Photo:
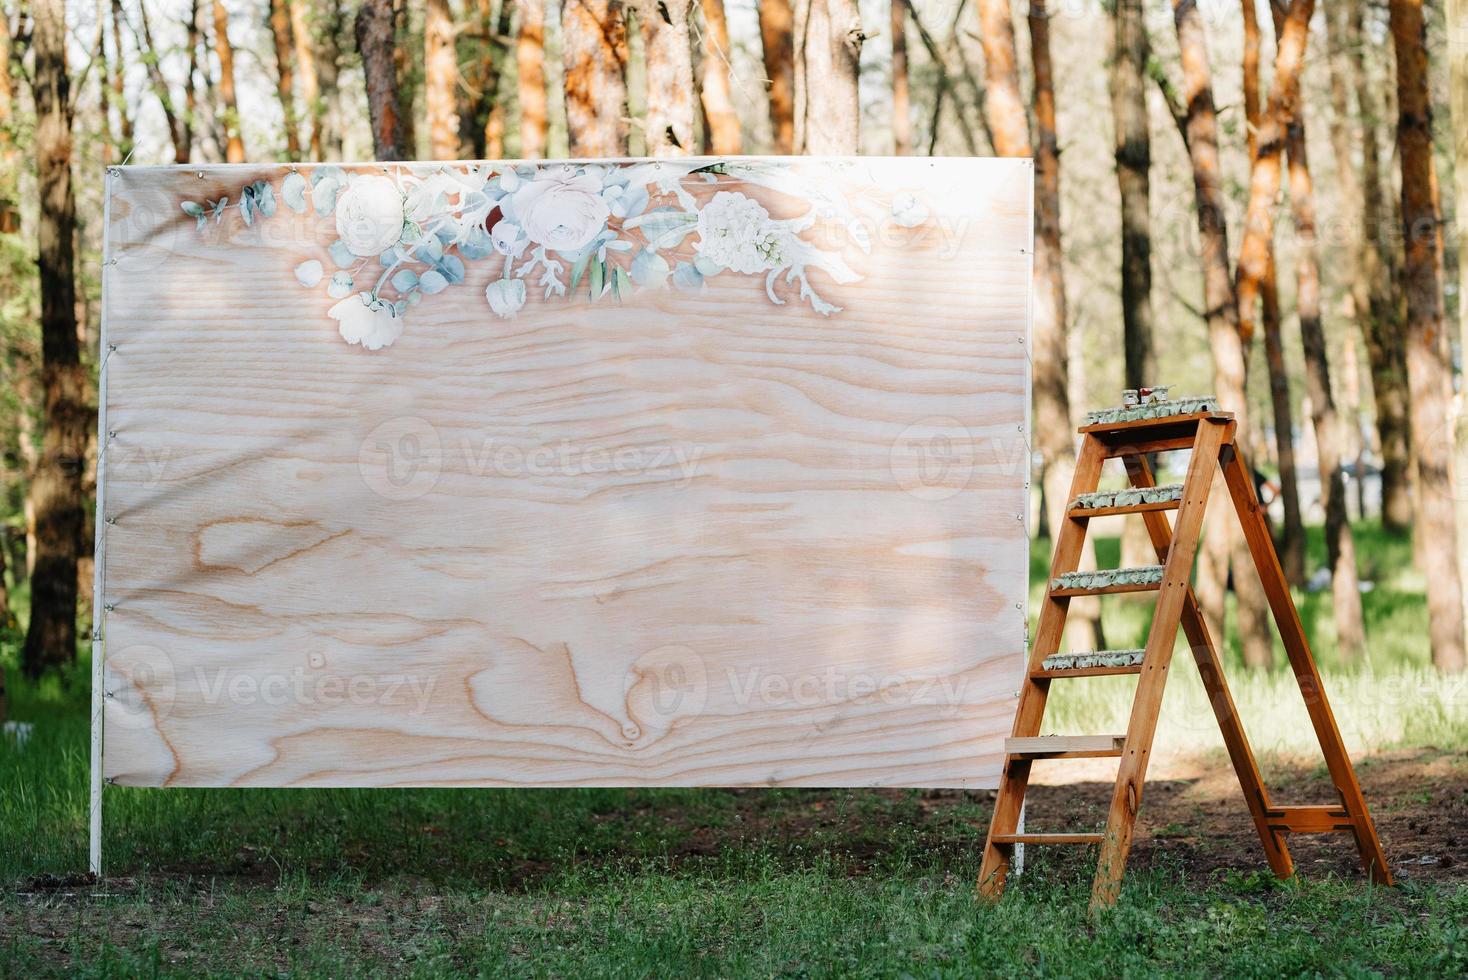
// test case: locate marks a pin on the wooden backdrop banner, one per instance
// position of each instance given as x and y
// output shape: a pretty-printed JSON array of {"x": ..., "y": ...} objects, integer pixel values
[{"x": 697, "y": 472}]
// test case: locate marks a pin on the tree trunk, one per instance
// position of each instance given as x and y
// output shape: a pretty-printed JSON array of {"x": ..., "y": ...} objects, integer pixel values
[
  {"x": 901, "y": 96},
  {"x": 281, "y": 37},
  {"x": 1053, "y": 430},
  {"x": 119, "y": 96},
  {"x": 1004, "y": 107},
  {"x": 1222, "y": 545},
  {"x": 406, "y": 70},
  {"x": 594, "y": 48},
  {"x": 668, "y": 50},
  {"x": 327, "y": 57},
  {"x": 376, "y": 40},
  {"x": 177, "y": 130},
  {"x": 1429, "y": 374},
  {"x": 1264, "y": 181},
  {"x": 828, "y": 40},
  {"x": 9, "y": 152},
  {"x": 1386, "y": 350},
  {"x": 235, "y": 147},
  {"x": 440, "y": 81},
  {"x": 494, "y": 125},
  {"x": 777, "y": 40},
  {"x": 953, "y": 67},
  {"x": 1290, "y": 539},
  {"x": 1457, "y": 18},
  {"x": 302, "y": 32},
  {"x": 1330, "y": 438},
  {"x": 191, "y": 91},
  {"x": 104, "y": 89},
  {"x": 725, "y": 136},
  {"x": 1133, "y": 153},
  {"x": 530, "y": 66},
  {"x": 56, "y": 488}
]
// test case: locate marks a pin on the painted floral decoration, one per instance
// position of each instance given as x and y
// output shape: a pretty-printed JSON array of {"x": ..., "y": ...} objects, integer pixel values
[{"x": 611, "y": 229}]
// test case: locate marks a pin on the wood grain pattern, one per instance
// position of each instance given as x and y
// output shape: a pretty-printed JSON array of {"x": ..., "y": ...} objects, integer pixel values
[{"x": 681, "y": 540}]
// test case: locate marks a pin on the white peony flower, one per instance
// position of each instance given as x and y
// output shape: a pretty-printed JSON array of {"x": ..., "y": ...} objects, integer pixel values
[
  {"x": 560, "y": 209},
  {"x": 908, "y": 211},
  {"x": 506, "y": 296},
  {"x": 367, "y": 321},
  {"x": 508, "y": 239},
  {"x": 369, "y": 215},
  {"x": 736, "y": 232}
]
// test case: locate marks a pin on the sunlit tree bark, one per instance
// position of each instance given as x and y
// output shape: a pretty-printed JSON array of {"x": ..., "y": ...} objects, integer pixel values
[
  {"x": 828, "y": 39},
  {"x": 119, "y": 96},
  {"x": 281, "y": 36},
  {"x": 440, "y": 81},
  {"x": 724, "y": 132},
  {"x": 327, "y": 41},
  {"x": 530, "y": 69},
  {"x": 1290, "y": 539},
  {"x": 148, "y": 53},
  {"x": 668, "y": 51},
  {"x": 594, "y": 50},
  {"x": 901, "y": 96},
  {"x": 777, "y": 39},
  {"x": 234, "y": 150},
  {"x": 1429, "y": 373},
  {"x": 303, "y": 31}
]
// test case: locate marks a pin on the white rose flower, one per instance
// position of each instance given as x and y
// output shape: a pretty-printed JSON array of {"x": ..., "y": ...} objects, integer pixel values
[
  {"x": 506, "y": 296},
  {"x": 366, "y": 321},
  {"x": 369, "y": 215},
  {"x": 735, "y": 232},
  {"x": 561, "y": 209}
]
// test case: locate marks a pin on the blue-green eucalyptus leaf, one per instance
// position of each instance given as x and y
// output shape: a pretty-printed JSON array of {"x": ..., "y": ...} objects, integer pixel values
[{"x": 293, "y": 192}]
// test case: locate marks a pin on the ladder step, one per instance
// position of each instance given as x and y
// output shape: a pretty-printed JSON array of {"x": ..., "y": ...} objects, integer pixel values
[
  {"x": 1133, "y": 500},
  {"x": 1309, "y": 819},
  {"x": 1108, "y": 581},
  {"x": 1139, "y": 415},
  {"x": 1046, "y": 838},
  {"x": 1065, "y": 746},
  {"x": 1091, "y": 664}
]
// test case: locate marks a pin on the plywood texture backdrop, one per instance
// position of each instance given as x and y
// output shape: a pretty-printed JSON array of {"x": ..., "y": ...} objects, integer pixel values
[{"x": 680, "y": 534}]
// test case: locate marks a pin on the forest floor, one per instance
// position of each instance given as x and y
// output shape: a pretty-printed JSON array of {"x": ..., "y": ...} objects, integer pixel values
[{"x": 706, "y": 882}]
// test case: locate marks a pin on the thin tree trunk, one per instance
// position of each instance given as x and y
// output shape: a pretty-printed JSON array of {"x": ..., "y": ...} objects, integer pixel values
[
  {"x": 1004, "y": 107},
  {"x": 376, "y": 40},
  {"x": 530, "y": 66},
  {"x": 1330, "y": 438},
  {"x": 302, "y": 31},
  {"x": 177, "y": 131},
  {"x": 953, "y": 65},
  {"x": 1429, "y": 373},
  {"x": 191, "y": 91},
  {"x": 119, "y": 96},
  {"x": 1264, "y": 181},
  {"x": 494, "y": 125},
  {"x": 725, "y": 136},
  {"x": 1290, "y": 539},
  {"x": 1222, "y": 545},
  {"x": 594, "y": 49},
  {"x": 901, "y": 97},
  {"x": 407, "y": 75},
  {"x": 1457, "y": 19},
  {"x": 475, "y": 64},
  {"x": 828, "y": 39},
  {"x": 1133, "y": 153},
  {"x": 328, "y": 68},
  {"x": 777, "y": 40},
  {"x": 1054, "y": 432},
  {"x": 281, "y": 37},
  {"x": 235, "y": 147},
  {"x": 56, "y": 487},
  {"x": 668, "y": 50},
  {"x": 104, "y": 94},
  {"x": 440, "y": 81}
]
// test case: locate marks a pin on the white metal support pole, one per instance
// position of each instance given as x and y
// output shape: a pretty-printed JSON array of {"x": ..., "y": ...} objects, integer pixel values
[{"x": 94, "y": 817}]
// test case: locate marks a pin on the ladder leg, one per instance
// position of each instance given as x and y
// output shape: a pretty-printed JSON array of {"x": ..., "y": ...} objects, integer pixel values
[
  {"x": 1127, "y": 798},
  {"x": 1069, "y": 538},
  {"x": 1307, "y": 675},
  {"x": 1210, "y": 669}
]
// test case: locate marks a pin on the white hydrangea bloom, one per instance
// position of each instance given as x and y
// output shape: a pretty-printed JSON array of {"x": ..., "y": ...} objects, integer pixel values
[{"x": 736, "y": 232}]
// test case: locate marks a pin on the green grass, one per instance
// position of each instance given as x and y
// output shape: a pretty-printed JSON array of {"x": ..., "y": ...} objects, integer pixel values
[{"x": 696, "y": 882}]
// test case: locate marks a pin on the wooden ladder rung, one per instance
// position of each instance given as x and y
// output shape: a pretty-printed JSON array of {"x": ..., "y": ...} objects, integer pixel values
[
  {"x": 1084, "y": 512},
  {"x": 1068, "y": 672},
  {"x": 1115, "y": 589},
  {"x": 1309, "y": 819},
  {"x": 1129, "y": 500},
  {"x": 1046, "y": 838},
  {"x": 1065, "y": 746}
]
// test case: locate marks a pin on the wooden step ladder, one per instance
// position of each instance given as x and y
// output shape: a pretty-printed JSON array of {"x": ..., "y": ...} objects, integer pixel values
[{"x": 1210, "y": 436}]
